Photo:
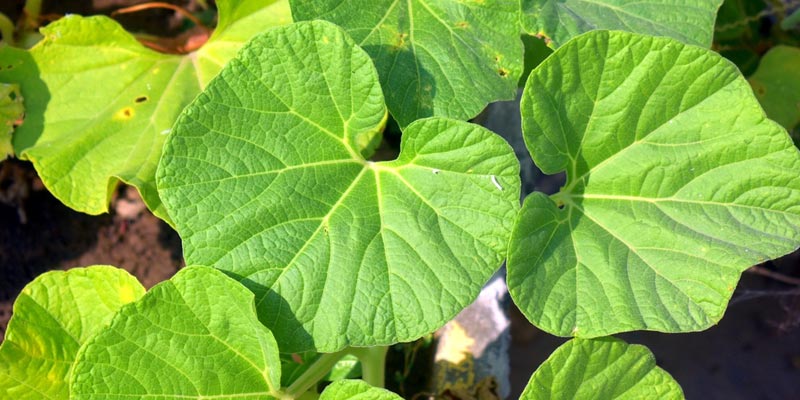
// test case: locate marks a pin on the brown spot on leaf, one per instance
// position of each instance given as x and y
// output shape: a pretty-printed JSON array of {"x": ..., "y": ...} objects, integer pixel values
[
  {"x": 400, "y": 40},
  {"x": 141, "y": 99},
  {"x": 124, "y": 114}
]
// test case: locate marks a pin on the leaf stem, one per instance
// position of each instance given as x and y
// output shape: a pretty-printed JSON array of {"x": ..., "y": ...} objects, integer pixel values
[
  {"x": 7, "y": 29},
  {"x": 314, "y": 373},
  {"x": 32, "y": 11},
  {"x": 373, "y": 363},
  {"x": 757, "y": 269}
]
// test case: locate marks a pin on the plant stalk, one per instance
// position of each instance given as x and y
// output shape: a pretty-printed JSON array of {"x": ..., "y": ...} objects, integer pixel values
[
  {"x": 32, "y": 11},
  {"x": 373, "y": 363},
  {"x": 321, "y": 367},
  {"x": 7, "y": 29},
  {"x": 373, "y": 366}
]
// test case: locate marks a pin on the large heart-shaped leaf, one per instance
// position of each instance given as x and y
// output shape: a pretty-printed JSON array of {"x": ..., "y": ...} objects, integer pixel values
[
  {"x": 194, "y": 336},
  {"x": 356, "y": 390},
  {"x": 100, "y": 103},
  {"x": 445, "y": 58},
  {"x": 265, "y": 179},
  {"x": 690, "y": 21},
  {"x": 676, "y": 183},
  {"x": 603, "y": 368},
  {"x": 53, "y": 317}
]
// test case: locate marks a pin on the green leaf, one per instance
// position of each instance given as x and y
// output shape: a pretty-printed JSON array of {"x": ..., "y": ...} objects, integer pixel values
[
  {"x": 53, "y": 316},
  {"x": 791, "y": 21},
  {"x": 347, "y": 367},
  {"x": 104, "y": 103},
  {"x": 293, "y": 365},
  {"x": 193, "y": 336},
  {"x": 445, "y": 58},
  {"x": 690, "y": 21},
  {"x": 738, "y": 20},
  {"x": 265, "y": 179},
  {"x": 604, "y": 368},
  {"x": 11, "y": 110},
  {"x": 676, "y": 183},
  {"x": 536, "y": 51},
  {"x": 356, "y": 390},
  {"x": 238, "y": 22},
  {"x": 776, "y": 84}
]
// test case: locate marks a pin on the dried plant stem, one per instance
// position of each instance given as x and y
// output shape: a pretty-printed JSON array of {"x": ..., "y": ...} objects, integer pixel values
[
  {"x": 757, "y": 269},
  {"x": 158, "y": 4}
]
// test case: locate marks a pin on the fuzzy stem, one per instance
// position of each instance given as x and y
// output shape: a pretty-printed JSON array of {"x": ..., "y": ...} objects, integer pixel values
[
  {"x": 373, "y": 363},
  {"x": 321, "y": 367},
  {"x": 7, "y": 29},
  {"x": 32, "y": 11}
]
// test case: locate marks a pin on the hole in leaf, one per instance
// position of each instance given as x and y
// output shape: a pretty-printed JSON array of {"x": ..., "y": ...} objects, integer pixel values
[
  {"x": 141, "y": 99},
  {"x": 389, "y": 147}
]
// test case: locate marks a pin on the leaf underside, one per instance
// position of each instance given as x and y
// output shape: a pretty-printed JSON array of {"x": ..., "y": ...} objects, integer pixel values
[
  {"x": 677, "y": 183},
  {"x": 776, "y": 84},
  {"x": 265, "y": 179},
  {"x": 53, "y": 317},
  {"x": 446, "y": 58},
  {"x": 100, "y": 104},
  {"x": 604, "y": 368},
  {"x": 193, "y": 336},
  {"x": 690, "y": 21}
]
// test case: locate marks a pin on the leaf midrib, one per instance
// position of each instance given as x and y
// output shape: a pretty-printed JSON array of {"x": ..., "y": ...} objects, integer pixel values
[{"x": 655, "y": 200}]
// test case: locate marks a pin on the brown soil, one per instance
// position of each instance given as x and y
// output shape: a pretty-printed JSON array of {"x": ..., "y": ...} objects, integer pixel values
[{"x": 56, "y": 237}]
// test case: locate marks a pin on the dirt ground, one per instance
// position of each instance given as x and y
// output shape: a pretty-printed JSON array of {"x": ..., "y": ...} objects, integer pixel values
[{"x": 56, "y": 237}]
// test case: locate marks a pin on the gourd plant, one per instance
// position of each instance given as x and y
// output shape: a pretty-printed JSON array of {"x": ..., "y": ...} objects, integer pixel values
[{"x": 300, "y": 244}]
